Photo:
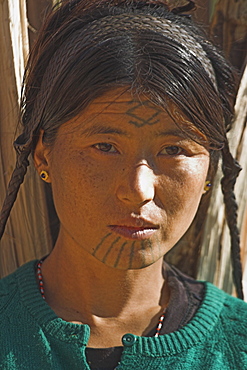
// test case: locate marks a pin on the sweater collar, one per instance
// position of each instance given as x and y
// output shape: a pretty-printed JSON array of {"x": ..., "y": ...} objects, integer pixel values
[{"x": 197, "y": 330}]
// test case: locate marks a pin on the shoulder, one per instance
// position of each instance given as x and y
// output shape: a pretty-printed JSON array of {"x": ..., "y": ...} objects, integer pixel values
[
  {"x": 232, "y": 307},
  {"x": 10, "y": 288},
  {"x": 232, "y": 316},
  {"x": 235, "y": 311}
]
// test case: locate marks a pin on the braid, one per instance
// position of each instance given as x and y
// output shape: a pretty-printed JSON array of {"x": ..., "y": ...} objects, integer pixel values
[
  {"x": 186, "y": 8},
  {"x": 14, "y": 184},
  {"x": 231, "y": 169}
]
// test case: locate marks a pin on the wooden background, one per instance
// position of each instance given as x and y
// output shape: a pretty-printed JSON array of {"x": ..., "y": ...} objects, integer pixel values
[{"x": 204, "y": 251}]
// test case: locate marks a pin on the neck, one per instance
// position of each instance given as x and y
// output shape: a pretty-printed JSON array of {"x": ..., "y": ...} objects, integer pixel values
[{"x": 80, "y": 288}]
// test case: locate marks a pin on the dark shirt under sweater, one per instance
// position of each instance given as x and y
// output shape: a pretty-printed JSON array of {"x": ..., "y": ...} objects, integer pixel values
[{"x": 186, "y": 295}]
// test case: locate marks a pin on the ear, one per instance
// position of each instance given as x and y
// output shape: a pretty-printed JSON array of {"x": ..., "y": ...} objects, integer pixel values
[{"x": 41, "y": 156}]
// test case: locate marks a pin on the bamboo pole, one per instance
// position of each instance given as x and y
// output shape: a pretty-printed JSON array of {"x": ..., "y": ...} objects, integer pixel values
[
  {"x": 27, "y": 232},
  {"x": 228, "y": 23},
  {"x": 215, "y": 254}
]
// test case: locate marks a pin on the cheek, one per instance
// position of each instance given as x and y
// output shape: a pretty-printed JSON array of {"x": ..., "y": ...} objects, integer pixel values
[
  {"x": 183, "y": 188},
  {"x": 181, "y": 194},
  {"x": 79, "y": 187}
]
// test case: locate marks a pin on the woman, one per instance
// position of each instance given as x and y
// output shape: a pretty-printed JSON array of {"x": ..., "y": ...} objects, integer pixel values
[{"x": 125, "y": 111}]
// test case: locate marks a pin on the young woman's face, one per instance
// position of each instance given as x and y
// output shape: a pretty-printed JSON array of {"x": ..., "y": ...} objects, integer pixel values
[{"x": 126, "y": 182}]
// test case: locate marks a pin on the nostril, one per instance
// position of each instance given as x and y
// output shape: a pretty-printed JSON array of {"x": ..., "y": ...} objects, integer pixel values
[{"x": 137, "y": 186}]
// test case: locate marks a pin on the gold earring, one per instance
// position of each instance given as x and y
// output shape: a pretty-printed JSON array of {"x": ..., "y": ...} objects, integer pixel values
[
  {"x": 44, "y": 175},
  {"x": 207, "y": 186}
]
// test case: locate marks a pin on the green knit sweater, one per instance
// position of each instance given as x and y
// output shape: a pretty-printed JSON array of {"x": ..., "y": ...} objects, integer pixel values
[{"x": 33, "y": 337}]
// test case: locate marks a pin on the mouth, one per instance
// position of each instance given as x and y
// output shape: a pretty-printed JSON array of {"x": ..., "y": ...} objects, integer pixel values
[{"x": 134, "y": 233}]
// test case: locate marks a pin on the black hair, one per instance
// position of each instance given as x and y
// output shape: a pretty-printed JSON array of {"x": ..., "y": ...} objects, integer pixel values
[{"x": 87, "y": 48}]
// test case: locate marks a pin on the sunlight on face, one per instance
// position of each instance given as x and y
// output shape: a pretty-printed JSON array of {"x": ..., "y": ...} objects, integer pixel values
[{"x": 126, "y": 181}]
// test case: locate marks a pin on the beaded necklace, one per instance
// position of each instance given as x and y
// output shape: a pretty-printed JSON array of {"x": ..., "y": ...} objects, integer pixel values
[{"x": 42, "y": 292}]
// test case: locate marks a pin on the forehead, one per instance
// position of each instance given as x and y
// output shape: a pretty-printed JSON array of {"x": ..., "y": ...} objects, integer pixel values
[
  {"x": 120, "y": 108},
  {"x": 120, "y": 112},
  {"x": 117, "y": 101}
]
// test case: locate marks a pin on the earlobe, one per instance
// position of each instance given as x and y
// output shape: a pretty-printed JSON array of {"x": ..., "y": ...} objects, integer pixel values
[
  {"x": 207, "y": 186},
  {"x": 44, "y": 175},
  {"x": 41, "y": 158}
]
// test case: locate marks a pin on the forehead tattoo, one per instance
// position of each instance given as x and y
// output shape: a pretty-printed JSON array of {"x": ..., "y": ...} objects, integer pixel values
[{"x": 141, "y": 116}]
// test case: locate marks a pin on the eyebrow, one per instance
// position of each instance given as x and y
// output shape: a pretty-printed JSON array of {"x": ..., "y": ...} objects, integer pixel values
[
  {"x": 178, "y": 133},
  {"x": 192, "y": 136},
  {"x": 96, "y": 129}
]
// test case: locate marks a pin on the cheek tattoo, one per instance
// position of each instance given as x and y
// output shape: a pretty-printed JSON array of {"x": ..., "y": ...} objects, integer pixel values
[
  {"x": 110, "y": 249},
  {"x": 113, "y": 251},
  {"x": 143, "y": 254},
  {"x": 119, "y": 254},
  {"x": 131, "y": 254},
  {"x": 100, "y": 243}
]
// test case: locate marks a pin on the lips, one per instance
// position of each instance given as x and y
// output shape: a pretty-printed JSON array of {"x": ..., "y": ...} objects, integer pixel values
[{"x": 136, "y": 229}]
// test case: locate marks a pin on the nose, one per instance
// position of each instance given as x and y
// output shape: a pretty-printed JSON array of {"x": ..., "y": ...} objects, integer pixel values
[{"x": 138, "y": 185}]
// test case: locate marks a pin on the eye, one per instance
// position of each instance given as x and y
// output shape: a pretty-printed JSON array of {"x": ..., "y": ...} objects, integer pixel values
[
  {"x": 171, "y": 150},
  {"x": 105, "y": 147}
]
